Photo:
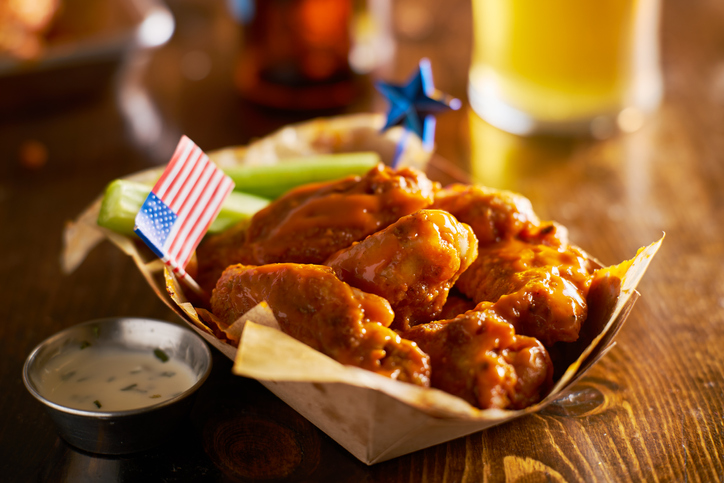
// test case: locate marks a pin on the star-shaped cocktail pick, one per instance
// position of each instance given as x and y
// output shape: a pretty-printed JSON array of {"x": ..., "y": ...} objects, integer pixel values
[{"x": 414, "y": 106}]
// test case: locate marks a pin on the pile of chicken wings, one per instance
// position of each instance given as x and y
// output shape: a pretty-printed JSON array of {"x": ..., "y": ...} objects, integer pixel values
[{"x": 460, "y": 288}]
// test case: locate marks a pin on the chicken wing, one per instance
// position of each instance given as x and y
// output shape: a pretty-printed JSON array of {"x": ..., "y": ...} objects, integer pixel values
[
  {"x": 478, "y": 357},
  {"x": 497, "y": 214},
  {"x": 525, "y": 265},
  {"x": 310, "y": 223},
  {"x": 312, "y": 305},
  {"x": 540, "y": 289},
  {"x": 213, "y": 256},
  {"x": 412, "y": 263}
]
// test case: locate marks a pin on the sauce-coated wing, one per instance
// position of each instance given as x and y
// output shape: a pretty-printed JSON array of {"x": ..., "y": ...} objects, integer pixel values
[
  {"x": 311, "y": 222},
  {"x": 412, "y": 263},
  {"x": 541, "y": 290},
  {"x": 312, "y": 305},
  {"x": 492, "y": 214},
  {"x": 214, "y": 253},
  {"x": 525, "y": 266},
  {"x": 478, "y": 357}
]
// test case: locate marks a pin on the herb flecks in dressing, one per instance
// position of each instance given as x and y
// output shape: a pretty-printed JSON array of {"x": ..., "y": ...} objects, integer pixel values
[
  {"x": 114, "y": 379},
  {"x": 161, "y": 355}
]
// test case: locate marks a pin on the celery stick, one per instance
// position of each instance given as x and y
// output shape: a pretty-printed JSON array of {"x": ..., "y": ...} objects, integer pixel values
[
  {"x": 123, "y": 200},
  {"x": 274, "y": 180},
  {"x": 254, "y": 185},
  {"x": 237, "y": 207}
]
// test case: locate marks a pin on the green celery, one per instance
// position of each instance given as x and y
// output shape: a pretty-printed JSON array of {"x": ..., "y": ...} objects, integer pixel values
[
  {"x": 254, "y": 187},
  {"x": 274, "y": 180},
  {"x": 123, "y": 199}
]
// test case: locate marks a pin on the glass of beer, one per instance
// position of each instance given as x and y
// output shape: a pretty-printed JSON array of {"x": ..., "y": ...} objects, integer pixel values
[{"x": 565, "y": 67}]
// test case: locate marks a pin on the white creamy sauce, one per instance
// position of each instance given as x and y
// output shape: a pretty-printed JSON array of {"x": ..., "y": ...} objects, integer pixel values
[{"x": 113, "y": 379}]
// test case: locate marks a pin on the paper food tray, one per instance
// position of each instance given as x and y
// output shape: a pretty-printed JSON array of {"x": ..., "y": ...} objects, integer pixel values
[{"x": 373, "y": 417}]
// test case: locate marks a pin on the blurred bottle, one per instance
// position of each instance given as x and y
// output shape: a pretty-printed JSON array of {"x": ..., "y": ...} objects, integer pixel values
[
  {"x": 296, "y": 53},
  {"x": 565, "y": 66}
]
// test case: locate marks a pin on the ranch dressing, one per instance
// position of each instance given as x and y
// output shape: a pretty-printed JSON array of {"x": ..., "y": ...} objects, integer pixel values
[{"x": 113, "y": 379}]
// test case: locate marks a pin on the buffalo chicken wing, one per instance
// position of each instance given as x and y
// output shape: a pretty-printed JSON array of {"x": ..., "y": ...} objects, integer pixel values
[
  {"x": 412, "y": 263},
  {"x": 312, "y": 305},
  {"x": 524, "y": 265},
  {"x": 540, "y": 289},
  {"x": 478, "y": 357},
  {"x": 311, "y": 222}
]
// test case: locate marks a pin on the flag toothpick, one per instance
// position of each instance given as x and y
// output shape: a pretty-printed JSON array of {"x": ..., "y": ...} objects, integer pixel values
[{"x": 182, "y": 204}]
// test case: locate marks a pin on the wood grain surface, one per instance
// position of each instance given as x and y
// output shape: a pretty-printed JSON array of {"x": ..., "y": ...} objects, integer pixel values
[{"x": 651, "y": 410}]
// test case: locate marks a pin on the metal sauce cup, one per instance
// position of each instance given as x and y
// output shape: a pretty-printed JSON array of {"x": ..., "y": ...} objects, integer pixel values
[{"x": 129, "y": 431}]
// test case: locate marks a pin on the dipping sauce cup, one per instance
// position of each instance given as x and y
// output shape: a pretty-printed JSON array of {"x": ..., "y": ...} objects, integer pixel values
[{"x": 118, "y": 385}]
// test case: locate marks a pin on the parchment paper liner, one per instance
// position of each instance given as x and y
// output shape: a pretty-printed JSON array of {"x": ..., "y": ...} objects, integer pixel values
[{"x": 373, "y": 417}]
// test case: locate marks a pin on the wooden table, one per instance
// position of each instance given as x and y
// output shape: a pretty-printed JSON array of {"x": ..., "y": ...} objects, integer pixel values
[{"x": 650, "y": 410}]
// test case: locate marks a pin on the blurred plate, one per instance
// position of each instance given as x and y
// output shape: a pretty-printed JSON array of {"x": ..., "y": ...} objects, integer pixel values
[{"x": 83, "y": 49}]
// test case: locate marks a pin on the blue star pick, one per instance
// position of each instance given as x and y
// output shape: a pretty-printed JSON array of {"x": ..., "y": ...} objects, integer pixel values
[{"x": 415, "y": 104}]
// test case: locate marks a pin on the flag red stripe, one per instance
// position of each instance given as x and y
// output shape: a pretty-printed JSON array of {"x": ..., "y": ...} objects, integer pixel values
[
  {"x": 179, "y": 156},
  {"x": 190, "y": 203},
  {"x": 174, "y": 194},
  {"x": 210, "y": 214},
  {"x": 193, "y": 212},
  {"x": 200, "y": 230},
  {"x": 192, "y": 186}
]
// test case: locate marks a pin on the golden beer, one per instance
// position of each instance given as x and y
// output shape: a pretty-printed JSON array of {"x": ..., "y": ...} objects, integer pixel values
[{"x": 563, "y": 65}]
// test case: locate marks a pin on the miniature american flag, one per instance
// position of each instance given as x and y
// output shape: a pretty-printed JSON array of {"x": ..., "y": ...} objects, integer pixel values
[{"x": 182, "y": 205}]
